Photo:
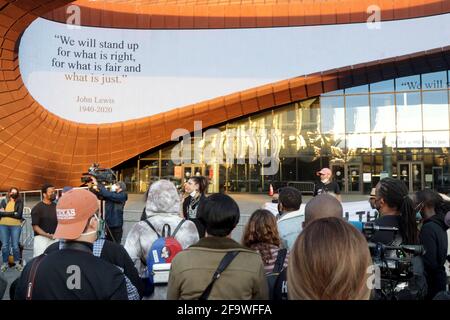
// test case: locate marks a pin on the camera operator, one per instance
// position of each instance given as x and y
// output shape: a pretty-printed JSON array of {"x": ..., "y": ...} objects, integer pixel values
[
  {"x": 397, "y": 210},
  {"x": 114, "y": 203}
]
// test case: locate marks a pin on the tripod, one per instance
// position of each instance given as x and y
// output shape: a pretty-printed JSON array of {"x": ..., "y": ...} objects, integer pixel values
[{"x": 105, "y": 230}]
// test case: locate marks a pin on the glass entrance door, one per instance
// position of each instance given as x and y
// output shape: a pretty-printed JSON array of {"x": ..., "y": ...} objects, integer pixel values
[
  {"x": 338, "y": 171},
  {"x": 354, "y": 178},
  {"x": 192, "y": 170},
  {"x": 411, "y": 173},
  {"x": 348, "y": 176}
]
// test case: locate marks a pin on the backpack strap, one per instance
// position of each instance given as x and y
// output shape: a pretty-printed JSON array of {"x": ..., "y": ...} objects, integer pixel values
[
  {"x": 178, "y": 227},
  {"x": 152, "y": 227},
  {"x": 32, "y": 276},
  {"x": 166, "y": 231},
  {"x": 279, "y": 263},
  {"x": 224, "y": 263}
]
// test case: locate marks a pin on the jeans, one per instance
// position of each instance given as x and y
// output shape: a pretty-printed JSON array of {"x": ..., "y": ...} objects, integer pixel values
[
  {"x": 115, "y": 234},
  {"x": 10, "y": 237}
]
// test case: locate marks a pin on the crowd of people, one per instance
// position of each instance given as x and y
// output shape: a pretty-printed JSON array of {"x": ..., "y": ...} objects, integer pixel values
[{"x": 182, "y": 248}]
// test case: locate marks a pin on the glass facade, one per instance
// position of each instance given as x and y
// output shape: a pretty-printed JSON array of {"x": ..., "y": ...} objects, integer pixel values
[{"x": 397, "y": 128}]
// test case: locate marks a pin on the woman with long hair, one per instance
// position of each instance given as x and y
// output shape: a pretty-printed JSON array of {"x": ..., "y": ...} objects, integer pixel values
[
  {"x": 261, "y": 235},
  {"x": 330, "y": 260},
  {"x": 11, "y": 211},
  {"x": 196, "y": 188}
]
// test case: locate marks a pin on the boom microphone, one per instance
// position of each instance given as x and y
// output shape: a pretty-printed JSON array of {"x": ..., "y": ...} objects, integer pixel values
[
  {"x": 371, "y": 227},
  {"x": 417, "y": 250}
]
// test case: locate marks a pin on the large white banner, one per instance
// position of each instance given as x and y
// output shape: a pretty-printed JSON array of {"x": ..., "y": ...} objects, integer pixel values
[{"x": 101, "y": 75}]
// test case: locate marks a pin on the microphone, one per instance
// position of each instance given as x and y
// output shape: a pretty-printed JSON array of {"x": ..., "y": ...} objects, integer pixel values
[
  {"x": 416, "y": 250},
  {"x": 370, "y": 227}
]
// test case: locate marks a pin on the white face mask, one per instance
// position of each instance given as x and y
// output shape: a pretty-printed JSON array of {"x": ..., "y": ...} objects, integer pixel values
[
  {"x": 95, "y": 231},
  {"x": 193, "y": 193},
  {"x": 114, "y": 188}
]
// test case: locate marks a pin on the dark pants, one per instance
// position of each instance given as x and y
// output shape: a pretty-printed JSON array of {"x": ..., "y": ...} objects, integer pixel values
[{"x": 114, "y": 234}]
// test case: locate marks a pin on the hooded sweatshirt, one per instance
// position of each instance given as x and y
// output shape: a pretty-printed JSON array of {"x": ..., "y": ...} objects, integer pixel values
[
  {"x": 433, "y": 236},
  {"x": 163, "y": 207}
]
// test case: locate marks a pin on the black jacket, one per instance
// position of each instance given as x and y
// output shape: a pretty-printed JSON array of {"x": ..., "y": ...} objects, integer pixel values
[
  {"x": 433, "y": 236},
  {"x": 18, "y": 209},
  {"x": 198, "y": 220},
  {"x": 114, "y": 204},
  {"x": 72, "y": 273},
  {"x": 117, "y": 255}
]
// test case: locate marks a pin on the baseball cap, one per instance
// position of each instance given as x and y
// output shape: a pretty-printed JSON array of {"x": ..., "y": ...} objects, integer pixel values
[
  {"x": 325, "y": 171},
  {"x": 373, "y": 193},
  {"x": 73, "y": 212},
  {"x": 66, "y": 189}
]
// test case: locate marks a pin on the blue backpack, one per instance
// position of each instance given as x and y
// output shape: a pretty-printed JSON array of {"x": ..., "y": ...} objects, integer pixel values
[{"x": 161, "y": 253}]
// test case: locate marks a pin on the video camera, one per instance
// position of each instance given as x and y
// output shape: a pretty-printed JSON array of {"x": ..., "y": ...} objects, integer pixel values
[
  {"x": 103, "y": 176},
  {"x": 400, "y": 269}
]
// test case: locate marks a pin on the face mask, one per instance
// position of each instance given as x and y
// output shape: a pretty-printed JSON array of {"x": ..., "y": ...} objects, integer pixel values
[
  {"x": 193, "y": 193},
  {"x": 418, "y": 216},
  {"x": 324, "y": 180},
  {"x": 100, "y": 228},
  {"x": 52, "y": 197},
  {"x": 113, "y": 188},
  {"x": 14, "y": 196}
]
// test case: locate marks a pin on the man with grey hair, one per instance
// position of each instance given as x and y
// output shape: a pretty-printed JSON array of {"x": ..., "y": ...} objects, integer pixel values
[{"x": 322, "y": 206}]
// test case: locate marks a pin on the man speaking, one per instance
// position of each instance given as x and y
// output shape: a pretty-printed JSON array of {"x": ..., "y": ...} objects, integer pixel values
[{"x": 326, "y": 184}]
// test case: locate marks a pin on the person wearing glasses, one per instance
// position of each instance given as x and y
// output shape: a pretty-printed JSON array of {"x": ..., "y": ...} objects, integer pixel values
[{"x": 326, "y": 184}]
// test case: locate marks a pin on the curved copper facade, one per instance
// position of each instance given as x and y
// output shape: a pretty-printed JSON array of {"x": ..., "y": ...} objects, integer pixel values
[{"x": 37, "y": 146}]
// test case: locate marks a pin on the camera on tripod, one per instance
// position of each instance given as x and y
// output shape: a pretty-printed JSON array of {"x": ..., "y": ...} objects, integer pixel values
[{"x": 104, "y": 176}]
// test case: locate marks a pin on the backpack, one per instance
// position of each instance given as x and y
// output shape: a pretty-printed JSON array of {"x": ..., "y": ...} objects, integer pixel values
[
  {"x": 277, "y": 268},
  {"x": 161, "y": 253}
]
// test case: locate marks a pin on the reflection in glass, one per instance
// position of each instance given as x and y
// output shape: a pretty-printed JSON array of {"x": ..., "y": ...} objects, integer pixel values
[
  {"x": 357, "y": 114},
  {"x": 358, "y": 89},
  {"x": 332, "y": 114},
  {"x": 382, "y": 112},
  {"x": 389, "y": 139},
  {"x": 436, "y": 139},
  {"x": 382, "y": 86},
  {"x": 334, "y": 93},
  {"x": 409, "y": 111},
  {"x": 357, "y": 141},
  {"x": 435, "y": 110},
  {"x": 409, "y": 140}
]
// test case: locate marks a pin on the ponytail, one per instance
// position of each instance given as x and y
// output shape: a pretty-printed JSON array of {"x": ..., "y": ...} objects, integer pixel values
[{"x": 408, "y": 225}]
